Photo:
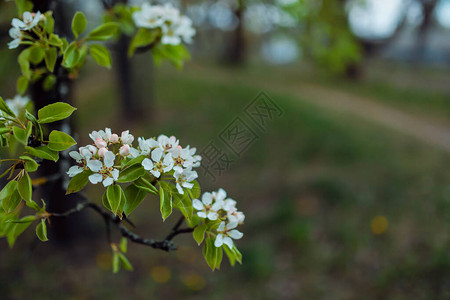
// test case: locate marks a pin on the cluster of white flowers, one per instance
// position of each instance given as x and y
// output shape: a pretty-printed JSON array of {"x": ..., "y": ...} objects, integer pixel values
[
  {"x": 174, "y": 27},
  {"x": 99, "y": 158},
  {"x": 29, "y": 20},
  {"x": 164, "y": 154},
  {"x": 216, "y": 206}
]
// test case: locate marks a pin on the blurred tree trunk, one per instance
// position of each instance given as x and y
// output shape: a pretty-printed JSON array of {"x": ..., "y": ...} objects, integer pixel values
[
  {"x": 130, "y": 99},
  {"x": 428, "y": 7},
  {"x": 236, "y": 47},
  {"x": 53, "y": 192}
]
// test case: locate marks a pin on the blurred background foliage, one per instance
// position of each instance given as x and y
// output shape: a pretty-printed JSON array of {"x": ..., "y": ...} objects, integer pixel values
[{"x": 346, "y": 195}]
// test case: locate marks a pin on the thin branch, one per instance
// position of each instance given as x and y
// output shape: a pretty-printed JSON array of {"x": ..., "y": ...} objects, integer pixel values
[{"x": 166, "y": 244}]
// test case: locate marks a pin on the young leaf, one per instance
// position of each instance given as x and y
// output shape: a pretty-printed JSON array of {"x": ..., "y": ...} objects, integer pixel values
[
  {"x": 24, "y": 187},
  {"x": 143, "y": 37},
  {"x": 50, "y": 56},
  {"x": 199, "y": 233},
  {"x": 41, "y": 231},
  {"x": 116, "y": 262},
  {"x": 23, "y": 6},
  {"x": 71, "y": 56},
  {"x": 165, "y": 198},
  {"x": 43, "y": 152},
  {"x": 5, "y": 108},
  {"x": 195, "y": 191},
  {"x": 131, "y": 173},
  {"x": 79, "y": 23},
  {"x": 101, "y": 55},
  {"x": 22, "y": 85},
  {"x": 36, "y": 54},
  {"x": 60, "y": 141},
  {"x": 212, "y": 254},
  {"x": 133, "y": 161},
  {"x": 49, "y": 22},
  {"x": 184, "y": 204},
  {"x": 123, "y": 245},
  {"x": 78, "y": 182},
  {"x": 10, "y": 196},
  {"x": 30, "y": 164},
  {"x": 114, "y": 195},
  {"x": 37, "y": 126},
  {"x": 55, "y": 112},
  {"x": 103, "y": 32},
  {"x": 125, "y": 262},
  {"x": 49, "y": 82},
  {"x": 20, "y": 135},
  {"x": 134, "y": 196},
  {"x": 15, "y": 230},
  {"x": 146, "y": 186},
  {"x": 24, "y": 63}
]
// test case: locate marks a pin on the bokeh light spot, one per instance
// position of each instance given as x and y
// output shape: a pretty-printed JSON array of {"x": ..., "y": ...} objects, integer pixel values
[{"x": 379, "y": 225}]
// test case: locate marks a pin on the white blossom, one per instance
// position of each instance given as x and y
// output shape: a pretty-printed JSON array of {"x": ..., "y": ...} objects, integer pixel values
[
  {"x": 104, "y": 171},
  {"x": 167, "y": 143},
  {"x": 16, "y": 35},
  {"x": 29, "y": 21},
  {"x": 160, "y": 162},
  {"x": 18, "y": 104},
  {"x": 226, "y": 233},
  {"x": 149, "y": 16},
  {"x": 184, "y": 179},
  {"x": 82, "y": 157},
  {"x": 207, "y": 208},
  {"x": 126, "y": 137}
]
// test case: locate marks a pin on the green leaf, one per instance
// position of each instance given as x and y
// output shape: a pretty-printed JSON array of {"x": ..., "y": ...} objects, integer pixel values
[
  {"x": 147, "y": 186},
  {"x": 4, "y": 130},
  {"x": 233, "y": 254},
  {"x": 143, "y": 37},
  {"x": 199, "y": 233},
  {"x": 60, "y": 141},
  {"x": 22, "y": 85},
  {"x": 101, "y": 55},
  {"x": 24, "y": 187},
  {"x": 125, "y": 262},
  {"x": 123, "y": 245},
  {"x": 24, "y": 63},
  {"x": 78, "y": 182},
  {"x": 71, "y": 56},
  {"x": 37, "y": 126},
  {"x": 50, "y": 56},
  {"x": 195, "y": 191},
  {"x": 116, "y": 262},
  {"x": 20, "y": 135},
  {"x": 49, "y": 22},
  {"x": 6, "y": 109},
  {"x": 26, "y": 219},
  {"x": 212, "y": 254},
  {"x": 114, "y": 195},
  {"x": 41, "y": 231},
  {"x": 36, "y": 54},
  {"x": 131, "y": 173},
  {"x": 104, "y": 32},
  {"x": 43, "y": 152},
  {"x": 15, "y": 231},
  {"x": 54, "y": 40},
  {"x": 30, "y": 164},
  {"x": 10, "y": 196},
  {"x": 184, "y": 204},
  {"x": 165, "y": 197},
  {"x": 134, "y": 196},
  {"x": 55, "y": 112},
  {"x": 49, "y": 82},
  {"x": 23, "y": 6},
  {"x": 33, "y": 205},
  {"x": 133, "y": 161},
  {"x": 79, "y": 23}
]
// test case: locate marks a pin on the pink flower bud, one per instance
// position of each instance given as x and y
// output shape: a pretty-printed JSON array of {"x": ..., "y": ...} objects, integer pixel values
[
  {"x": 114, "y": 138},
  {"x": 100, "y": 143},
  {"x": 124, "y": 150},
  {"x": 179, "y": 147},
  {"x": 102, "y": 151}
]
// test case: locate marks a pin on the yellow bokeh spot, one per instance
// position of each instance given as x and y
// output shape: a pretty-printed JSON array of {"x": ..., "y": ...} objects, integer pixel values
[
  {"x": 379, "y": 224},
  {"x": 160, "y": 274},
  {"x": 193, "y": 281},
  {"x": 104, "y": 260}
]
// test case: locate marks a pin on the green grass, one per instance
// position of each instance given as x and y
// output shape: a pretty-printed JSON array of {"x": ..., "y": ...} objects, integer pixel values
[{"x": 310, "y": 186}]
